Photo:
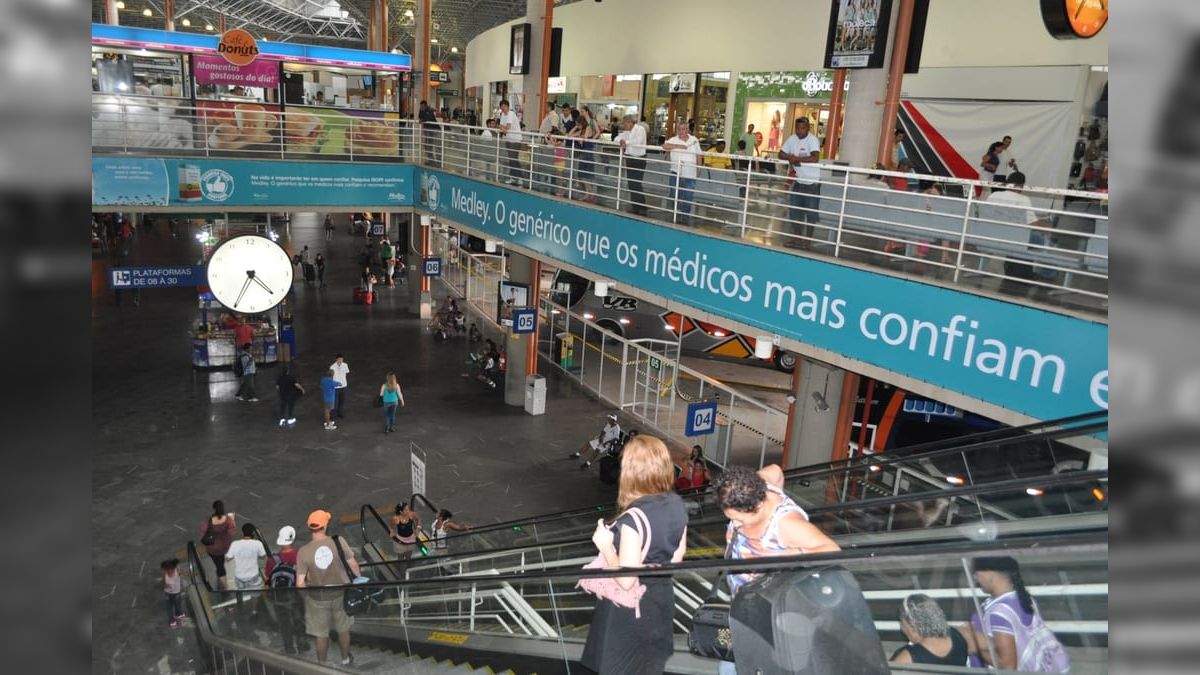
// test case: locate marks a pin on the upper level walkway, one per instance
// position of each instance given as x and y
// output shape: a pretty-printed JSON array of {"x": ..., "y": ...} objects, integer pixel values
[{"x": 989, "y": 303}]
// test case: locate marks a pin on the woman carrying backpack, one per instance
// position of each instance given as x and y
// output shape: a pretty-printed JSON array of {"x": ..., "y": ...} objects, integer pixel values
[
  {"x": 1011, "y": 634},
  {"x": 216, "y": 534}
]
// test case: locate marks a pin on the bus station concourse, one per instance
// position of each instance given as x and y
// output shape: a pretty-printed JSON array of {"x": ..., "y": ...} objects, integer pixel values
[{"x": 836, "y": 263}]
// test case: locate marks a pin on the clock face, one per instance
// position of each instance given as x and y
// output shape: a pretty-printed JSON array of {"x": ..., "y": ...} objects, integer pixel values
[
  {"x": 1073, "y": 19},
  {"x": 249, "y": 274}
]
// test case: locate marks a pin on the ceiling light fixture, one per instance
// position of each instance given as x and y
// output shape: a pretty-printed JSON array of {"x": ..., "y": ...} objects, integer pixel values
[
  {"x": 208, "y": 26},
  {"x": 187, "y": 23},
  {"x": 454, "y": 50},
  {"x": 433, "y": 40},
  {"x": 147, "y": 12},
  {"x": 120, "y": 5}
]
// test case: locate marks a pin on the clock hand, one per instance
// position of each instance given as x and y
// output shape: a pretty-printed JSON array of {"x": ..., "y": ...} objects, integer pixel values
[
  {"x": 264, "y": 286},
  {"x": 243, "y": 292}
]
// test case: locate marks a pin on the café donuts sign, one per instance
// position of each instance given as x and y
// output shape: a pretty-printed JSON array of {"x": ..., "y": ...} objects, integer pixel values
[{"x": 238, "y": 47}]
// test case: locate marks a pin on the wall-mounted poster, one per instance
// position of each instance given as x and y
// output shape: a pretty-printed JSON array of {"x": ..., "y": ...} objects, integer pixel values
[
  {"x": 858, "y": 32},
  {"x": 511, "y": 296},
  {"x": 518, "y": 55}
]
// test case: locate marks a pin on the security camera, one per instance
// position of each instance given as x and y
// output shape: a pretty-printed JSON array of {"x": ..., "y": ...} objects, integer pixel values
[{"x": 819, "y": 403}]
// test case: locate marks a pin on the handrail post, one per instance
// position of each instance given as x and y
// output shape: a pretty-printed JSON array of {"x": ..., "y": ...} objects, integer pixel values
[
  {"x": 620, "y": 172},
  {"x": 496, "y": 173},
  {"x": 837, "y": 246},
  {"x": 125, "y": 130},
  {"x": 745, "y": 219},
  {"x": 571, "y": 173},
  {"x": 442, "y": 147},
  {"x": 350, "y": 140},
  {"x": 470, "y": 134},
  {"x": 282, "y": 134},
  {"x": 675, "y": 179},
  {"x": 624, "y": 367},
  {"x": 962, "y": 236}
]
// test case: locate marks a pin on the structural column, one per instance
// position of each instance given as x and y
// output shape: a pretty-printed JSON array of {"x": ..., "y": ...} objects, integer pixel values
[
  {"x": 813, "y": 415},
  {"x": 863, "y": 124},
  {"x": 420, "y": 299},
  {"x": 540, "y": 14},
  {"x": 111, "y": 14},
  {"x": 521, "y": 349}
]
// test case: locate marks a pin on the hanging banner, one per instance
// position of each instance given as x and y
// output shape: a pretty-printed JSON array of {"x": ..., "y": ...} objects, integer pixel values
[{"x": 216, "y": 70}]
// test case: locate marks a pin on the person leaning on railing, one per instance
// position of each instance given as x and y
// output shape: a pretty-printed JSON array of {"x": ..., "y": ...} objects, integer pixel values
[{"x": 633, "y": 154}]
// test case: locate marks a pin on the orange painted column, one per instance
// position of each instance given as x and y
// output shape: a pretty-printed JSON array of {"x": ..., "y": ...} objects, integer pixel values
[
  {"x": 793, "y": 410},
  {"x": 535, "y": 281},
  {"x": 837, "y": 105},
  {"x": 891, "y": 102},
  {"x": 111, "y": 13}
]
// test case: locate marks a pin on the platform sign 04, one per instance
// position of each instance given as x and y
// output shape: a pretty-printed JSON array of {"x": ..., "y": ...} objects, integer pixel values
[
  {"x": 524, "y": 321},
  {"x": 433, "y": 267},
  {"x": 701, "y": 418}
]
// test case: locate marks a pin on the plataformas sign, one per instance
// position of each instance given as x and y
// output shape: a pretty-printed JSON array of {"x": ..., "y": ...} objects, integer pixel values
[{"x": 238, "y": 47}]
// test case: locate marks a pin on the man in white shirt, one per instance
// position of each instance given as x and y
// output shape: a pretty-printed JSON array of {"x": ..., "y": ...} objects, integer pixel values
[
  {"x": 1011, "y": 196},
  {"x": 685, "y": 154},
  {"x": 246, "y": 554},
  {"x": 802, "y": 151},
  {"x": 510, "y": 127},
  {"x": 1008, "y": 163},
  {"x": 604, "y": 442},
  {"x": 633, "y": 153},
  {"x": 542, "y": 155},
  {"x": 340, "y": 370}
]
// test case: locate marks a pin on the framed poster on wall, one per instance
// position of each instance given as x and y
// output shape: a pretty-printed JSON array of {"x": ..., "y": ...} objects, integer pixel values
[
  {"x": 511, "y": 296},
  {"x": 858, "y": 32},
  {"x": 518, "y": 53}
]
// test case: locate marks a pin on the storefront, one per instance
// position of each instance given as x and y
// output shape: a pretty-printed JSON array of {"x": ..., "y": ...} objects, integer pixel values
[
  {"x": 611, "y": 97},
  {"x": 772, "y": 101},
  {"x": 173, "y": 90},
  {"x": 697, "y": 97}
]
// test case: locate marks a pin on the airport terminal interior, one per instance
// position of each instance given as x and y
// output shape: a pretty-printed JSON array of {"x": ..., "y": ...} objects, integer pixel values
[{"x": 561, "y": 336}]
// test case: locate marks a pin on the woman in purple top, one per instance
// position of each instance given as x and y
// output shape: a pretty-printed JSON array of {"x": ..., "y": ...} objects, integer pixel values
[{"x": 1019, "y": 638}]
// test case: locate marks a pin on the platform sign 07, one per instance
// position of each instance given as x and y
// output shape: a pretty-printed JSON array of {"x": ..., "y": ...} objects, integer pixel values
[{"x": 701, "y": 418}]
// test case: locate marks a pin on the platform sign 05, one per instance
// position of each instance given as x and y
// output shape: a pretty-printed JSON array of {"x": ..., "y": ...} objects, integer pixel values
[
  {"x": 433, "y": 267},
  {"x": 701, "y": 418},
  {"x": 524, "y": 321}
]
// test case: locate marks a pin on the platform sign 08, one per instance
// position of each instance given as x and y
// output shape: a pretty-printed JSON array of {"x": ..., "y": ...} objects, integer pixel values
[
  {"x": 433, "y": 267},
  {"x": 701, "y": 418}
]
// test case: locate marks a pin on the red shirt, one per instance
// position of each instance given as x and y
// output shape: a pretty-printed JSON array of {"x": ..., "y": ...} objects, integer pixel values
[
  {"x": 242, "y": 333},
  {"x": 286, "y": 557}
]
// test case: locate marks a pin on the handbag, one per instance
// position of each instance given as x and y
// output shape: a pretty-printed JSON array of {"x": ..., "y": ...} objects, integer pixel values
[
  {"x": 379, "y": 401},
  {"x": 209, "y": 538},
  {"x": 710, "y": 635},
  {"x": 356, "y": 599},
  {"x": 607, "y": 588}
]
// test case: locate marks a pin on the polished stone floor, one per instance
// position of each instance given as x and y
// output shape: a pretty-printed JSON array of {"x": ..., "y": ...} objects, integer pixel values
[{"x": 169, "y": 439}]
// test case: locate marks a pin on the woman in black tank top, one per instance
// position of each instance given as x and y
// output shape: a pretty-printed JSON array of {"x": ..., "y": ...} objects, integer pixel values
[
  {"x": 404, "y": 524},
  {"x": 930, "y": 638}
]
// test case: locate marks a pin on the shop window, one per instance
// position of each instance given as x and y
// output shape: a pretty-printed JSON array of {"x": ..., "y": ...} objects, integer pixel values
[{"x": 147, "y": 74}]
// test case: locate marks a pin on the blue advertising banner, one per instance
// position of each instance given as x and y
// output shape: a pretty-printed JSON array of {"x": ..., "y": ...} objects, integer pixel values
[
  {"x": 1036, "y": 363},
  {"x": 138, "y": 181},
  {"x": 156, "y": 277}
]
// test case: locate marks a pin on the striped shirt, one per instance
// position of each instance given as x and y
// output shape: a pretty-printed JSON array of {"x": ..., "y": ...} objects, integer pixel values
[{"x": 740, "y": 546}]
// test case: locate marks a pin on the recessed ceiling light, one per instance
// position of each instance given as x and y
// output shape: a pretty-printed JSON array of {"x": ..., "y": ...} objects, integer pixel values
[
  {"x": 187, "y": 22},
  {"x": 433, "y": 40},
  {"x": 208, "y": 26},
  {"x": 120, "y": 5},
  {"x": 147, "y": 12},
  {"x": 408, "y": 13},
  {"x": 454, "y": 50}
]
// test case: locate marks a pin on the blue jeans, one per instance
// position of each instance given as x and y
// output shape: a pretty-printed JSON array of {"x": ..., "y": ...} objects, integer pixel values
[
  {"x": 802, "y": 208},
  {"x": 684, "y": 191},
  {"x": 389, "y": 414}
]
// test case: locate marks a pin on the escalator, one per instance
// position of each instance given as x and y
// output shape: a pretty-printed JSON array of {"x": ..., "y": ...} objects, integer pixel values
[
  {"x": 536, "y": 620},
  {"x": 919, "y": 487}
]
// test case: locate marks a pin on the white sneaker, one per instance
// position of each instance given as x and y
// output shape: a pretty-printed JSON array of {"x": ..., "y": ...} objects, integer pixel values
[
  {"x": 282, "y": 421},
  {"x": 331, "y": 426},
  {"x": 291, "y": 421},
  {"x": 254, "y": 399}
]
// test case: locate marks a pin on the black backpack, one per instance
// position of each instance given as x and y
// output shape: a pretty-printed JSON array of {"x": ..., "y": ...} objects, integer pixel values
[{"x": 283, "y": 575}]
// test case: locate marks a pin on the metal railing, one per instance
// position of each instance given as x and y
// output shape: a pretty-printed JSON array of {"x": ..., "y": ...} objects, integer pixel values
[
  {"x": 1042, "y": 246},
  {"x": 642, "y": 378}
]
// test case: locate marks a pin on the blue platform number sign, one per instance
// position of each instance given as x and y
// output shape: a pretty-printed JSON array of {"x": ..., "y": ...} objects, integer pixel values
[
  {"x": 433, "y": 266},
  {"x": 701, "y": 418},
  {"x": 524, "y": 321}
]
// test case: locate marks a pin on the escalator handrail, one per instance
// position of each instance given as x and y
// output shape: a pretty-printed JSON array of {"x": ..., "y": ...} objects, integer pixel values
[
  {"x": 362, "y": 523},
  {"x": 1055, "y": 480},
  {"x": 197, "y": 569},
  {"x": 984, "y": 440},
  {"x": 1085, "y": 542}
]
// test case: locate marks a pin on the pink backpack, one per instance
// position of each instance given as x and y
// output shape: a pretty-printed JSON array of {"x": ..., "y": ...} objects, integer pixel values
[{"x": 607, "y": 588}]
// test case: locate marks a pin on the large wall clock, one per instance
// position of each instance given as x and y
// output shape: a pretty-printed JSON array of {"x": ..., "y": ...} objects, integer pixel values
[
  {"x": 249, "y": 274},
  {"x": 1074, "y": 19}
]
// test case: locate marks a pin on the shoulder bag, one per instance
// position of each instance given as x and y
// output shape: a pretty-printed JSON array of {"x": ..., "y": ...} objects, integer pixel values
[
  {"x": 208, "y": 539},
  {"x": 356, "y": 599},
  {"x": 710, "y": 635},
  {"x": 607, "y": 588}
]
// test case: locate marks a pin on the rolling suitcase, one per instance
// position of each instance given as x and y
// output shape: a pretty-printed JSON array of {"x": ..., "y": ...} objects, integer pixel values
[
  {"x": 805, "y": 622},
  {"x": 310, "y": 272},
  {"x": 610, "y": 470}
]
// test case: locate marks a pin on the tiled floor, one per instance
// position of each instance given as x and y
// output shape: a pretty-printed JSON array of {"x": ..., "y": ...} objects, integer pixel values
[{"x": 169, "y": 439}]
